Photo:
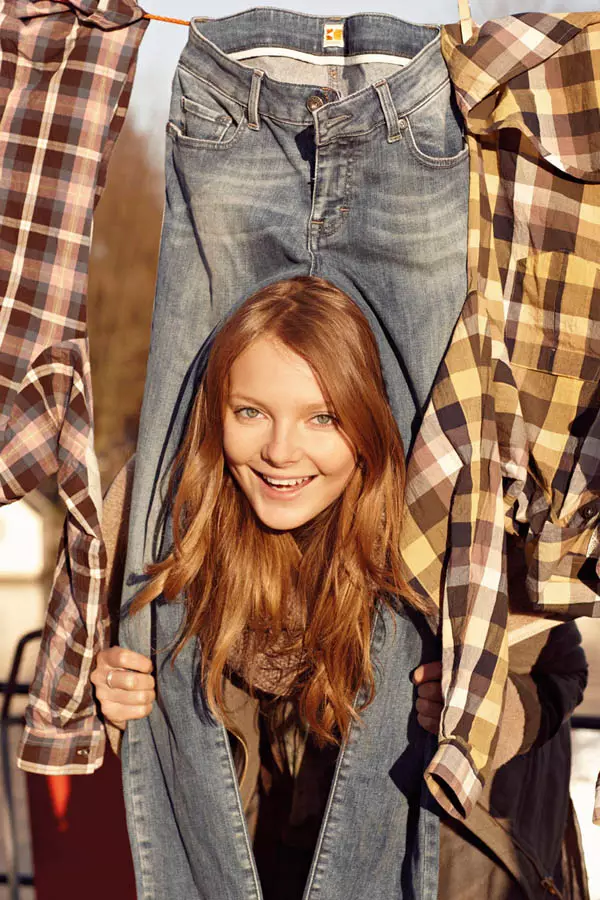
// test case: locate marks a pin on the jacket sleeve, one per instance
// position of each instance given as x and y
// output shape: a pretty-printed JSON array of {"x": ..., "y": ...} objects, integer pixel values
[
  {"x": 547, "y": 678},
  {"x": 560, "y": 676},
  {"x": 115, "y": 526}
]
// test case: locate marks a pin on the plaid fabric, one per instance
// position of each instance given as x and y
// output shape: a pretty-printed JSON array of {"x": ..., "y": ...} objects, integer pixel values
[
  {"x": 510, "y": 443},
  {"x": 66, "y": 71}
]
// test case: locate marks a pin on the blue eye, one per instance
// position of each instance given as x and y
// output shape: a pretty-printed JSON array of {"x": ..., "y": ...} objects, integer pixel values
[
  {"x": 324, "y": 419},
  {"x": 247, "y": 412}
]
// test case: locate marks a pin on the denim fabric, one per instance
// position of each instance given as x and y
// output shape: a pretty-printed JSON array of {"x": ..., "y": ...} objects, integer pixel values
[
  {"x": 379, "y": 837},
  {"x": 279, "y": 167}
]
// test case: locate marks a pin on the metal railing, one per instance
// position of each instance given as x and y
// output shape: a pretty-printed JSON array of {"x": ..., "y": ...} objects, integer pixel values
[
  {"x": 13, "y": 877},
  {"x": 590, "y": 722}
]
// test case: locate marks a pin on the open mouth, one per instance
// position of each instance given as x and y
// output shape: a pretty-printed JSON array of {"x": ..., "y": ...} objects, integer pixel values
[{"x": 285, "y": 485}]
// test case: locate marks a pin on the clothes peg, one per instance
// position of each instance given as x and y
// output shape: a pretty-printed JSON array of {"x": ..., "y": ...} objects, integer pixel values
[{"x": 466, "y": 22}]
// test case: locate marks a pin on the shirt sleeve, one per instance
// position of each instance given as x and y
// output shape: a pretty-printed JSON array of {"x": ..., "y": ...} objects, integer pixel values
[
  {"x": 63, "y": 734},
  {"x": 455, "y": 544},
  {"x": 67, "y": 76}
]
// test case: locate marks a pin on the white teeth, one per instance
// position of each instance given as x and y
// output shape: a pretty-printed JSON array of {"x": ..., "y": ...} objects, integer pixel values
[{"x": 286, "y": 482}]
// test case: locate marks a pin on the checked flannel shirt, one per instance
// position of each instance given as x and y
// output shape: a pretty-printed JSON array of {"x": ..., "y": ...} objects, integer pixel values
[
  {"x": 509, "y": 448},
  {"x": 66, "y": 72}
]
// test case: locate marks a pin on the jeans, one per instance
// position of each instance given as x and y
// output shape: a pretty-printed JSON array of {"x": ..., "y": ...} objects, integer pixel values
[{"x": 276, "y": 167}]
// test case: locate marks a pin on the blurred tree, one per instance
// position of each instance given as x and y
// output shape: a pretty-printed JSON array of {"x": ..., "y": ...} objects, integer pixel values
[{"x": 123, "y": 262}]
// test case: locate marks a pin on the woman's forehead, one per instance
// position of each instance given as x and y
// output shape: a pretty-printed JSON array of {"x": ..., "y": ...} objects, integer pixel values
[{"x": 271, "y": 370}]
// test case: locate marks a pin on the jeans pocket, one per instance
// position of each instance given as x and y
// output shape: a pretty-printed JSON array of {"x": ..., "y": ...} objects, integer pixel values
[
  {"x": 553, "y": 323},
  {"x": 203, "y": 124},
  {"x": 204, "y": 116},
  {"x": 434, "y": 130}
]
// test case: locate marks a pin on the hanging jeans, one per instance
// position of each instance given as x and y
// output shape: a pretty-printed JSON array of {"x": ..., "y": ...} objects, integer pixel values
[{"x": 355, "y": 171}]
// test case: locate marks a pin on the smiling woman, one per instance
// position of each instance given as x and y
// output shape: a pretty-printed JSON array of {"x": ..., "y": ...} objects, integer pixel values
[
  {"x": 289, "y": 482},
  {"x": 281, "y": 440},
  {"x": 286, "y": 507}
]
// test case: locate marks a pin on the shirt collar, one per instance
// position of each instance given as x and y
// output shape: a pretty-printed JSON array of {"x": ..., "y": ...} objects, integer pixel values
[{"x": 499, "y": 65}]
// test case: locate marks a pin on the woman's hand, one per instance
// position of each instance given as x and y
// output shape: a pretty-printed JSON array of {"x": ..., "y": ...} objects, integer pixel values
[
  {"x": 428, "y": 679},
  {"x": 129, "y": 691}
]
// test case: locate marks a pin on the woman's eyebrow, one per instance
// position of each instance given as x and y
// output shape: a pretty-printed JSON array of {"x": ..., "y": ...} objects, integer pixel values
[
  {"x": 317, "y": 406},
  {"x": 240, "y": 398}
]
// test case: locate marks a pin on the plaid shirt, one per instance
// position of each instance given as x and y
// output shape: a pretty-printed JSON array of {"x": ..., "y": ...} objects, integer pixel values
[
  {"x": 509, "y": 447},
  {"x": 66, "y": 71}
]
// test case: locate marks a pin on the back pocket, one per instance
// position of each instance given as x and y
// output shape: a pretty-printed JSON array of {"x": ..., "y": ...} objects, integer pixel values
[{"x": 553, "y": 321}]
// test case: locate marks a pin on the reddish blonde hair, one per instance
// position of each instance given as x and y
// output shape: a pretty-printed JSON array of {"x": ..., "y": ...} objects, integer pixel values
[{"x": 237, "y": 575}]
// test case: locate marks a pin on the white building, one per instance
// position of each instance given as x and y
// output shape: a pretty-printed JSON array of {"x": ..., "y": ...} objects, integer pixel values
[{"x": 28, "y": 537}]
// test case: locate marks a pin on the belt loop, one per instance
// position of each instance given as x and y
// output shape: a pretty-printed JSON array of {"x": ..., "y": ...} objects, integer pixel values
[
  {"x": 389, "y": 110},
  {"x": 253, "y": 119}
]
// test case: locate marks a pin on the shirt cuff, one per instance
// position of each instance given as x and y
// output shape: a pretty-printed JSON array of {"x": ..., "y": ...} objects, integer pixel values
[
  {"x": 56, "y": 752},
  {"x": 453, "y": 779}
]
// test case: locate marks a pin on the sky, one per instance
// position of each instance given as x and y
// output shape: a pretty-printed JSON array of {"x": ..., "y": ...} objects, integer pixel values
[{"x": 163, "y": 42}]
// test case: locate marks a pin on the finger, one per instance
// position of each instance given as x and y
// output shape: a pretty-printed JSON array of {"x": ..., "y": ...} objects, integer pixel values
[
  {"x": 121, "y": 679},
  {"x": 428, "y": 724},
  {"x": 431, "y": 690},
  {"x": 117, "y": 723},
  {"x": 121, "y": 658},
  {"x": 428, "y": 708},
  {"x": 117, "y": 712},
  {"x": 428, "y": 672},
  {"x": 125, "y": 698},
  {"x": 124, "y": 680}
]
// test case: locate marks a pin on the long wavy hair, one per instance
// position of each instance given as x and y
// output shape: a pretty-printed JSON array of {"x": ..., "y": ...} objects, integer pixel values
[{"x": 304, "y": 599}]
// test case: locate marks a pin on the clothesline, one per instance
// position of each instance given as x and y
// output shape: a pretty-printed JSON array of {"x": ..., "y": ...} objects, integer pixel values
[
  {"x": 464, "y": 12},
  {"x": 166, "y": 19}
]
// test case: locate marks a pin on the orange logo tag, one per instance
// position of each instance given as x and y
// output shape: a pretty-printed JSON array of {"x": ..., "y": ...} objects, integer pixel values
[{"x": 333, "y": 35}]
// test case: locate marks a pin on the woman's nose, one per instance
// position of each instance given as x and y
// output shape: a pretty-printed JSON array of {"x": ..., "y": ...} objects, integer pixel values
[{"x": 282, "y": 447}]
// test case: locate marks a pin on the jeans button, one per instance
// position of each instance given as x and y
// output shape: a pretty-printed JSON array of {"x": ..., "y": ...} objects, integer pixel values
[{"x": 314, "y": 103}]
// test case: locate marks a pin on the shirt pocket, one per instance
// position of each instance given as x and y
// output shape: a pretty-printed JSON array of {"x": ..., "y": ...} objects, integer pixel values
[
  {"x": 553, "y": 320},
  {"x": 564, "y": 570}
]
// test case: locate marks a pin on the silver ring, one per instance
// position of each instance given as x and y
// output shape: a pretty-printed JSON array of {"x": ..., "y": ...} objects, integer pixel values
[{"x": 109, "y": 677}]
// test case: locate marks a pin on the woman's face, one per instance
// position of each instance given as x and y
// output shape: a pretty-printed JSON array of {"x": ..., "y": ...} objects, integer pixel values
[{"x": 280, "y": 439}]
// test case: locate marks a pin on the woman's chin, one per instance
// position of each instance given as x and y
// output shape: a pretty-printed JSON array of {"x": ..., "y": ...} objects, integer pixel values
[{"x": 286, "y": 519}]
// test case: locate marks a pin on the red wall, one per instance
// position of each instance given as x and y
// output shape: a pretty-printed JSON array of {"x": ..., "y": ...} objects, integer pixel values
[{"x": 79, "y": 837}]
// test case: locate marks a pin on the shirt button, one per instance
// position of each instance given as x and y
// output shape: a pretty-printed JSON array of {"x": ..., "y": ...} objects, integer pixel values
[
  {"x": 82, "y": 752},
  {"x": 314, "y": 103},
  {"x": 588, "y": 512}
]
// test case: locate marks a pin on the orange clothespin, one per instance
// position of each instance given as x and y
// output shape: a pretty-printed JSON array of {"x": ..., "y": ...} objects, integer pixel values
[{"x": 466, "y": 22}]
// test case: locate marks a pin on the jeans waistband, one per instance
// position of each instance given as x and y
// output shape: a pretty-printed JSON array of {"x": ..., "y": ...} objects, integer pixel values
[{"x": 206, "y": 56}]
